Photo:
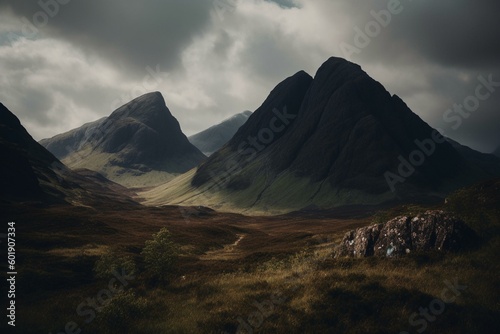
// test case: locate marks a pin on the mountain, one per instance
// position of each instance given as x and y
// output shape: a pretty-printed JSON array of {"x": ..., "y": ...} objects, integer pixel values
[
  {"x": 31, "y": 173},
  {"x": 140, "y": 144},
  {"x": 338, "y": 139},
  {"x": 213, "y": 138},
  {"x": 482, "y": 161},
  {"x": 497, "y": 152}
]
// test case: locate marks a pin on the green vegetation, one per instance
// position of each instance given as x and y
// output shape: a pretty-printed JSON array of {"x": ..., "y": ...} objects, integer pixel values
[
  {"x": 121, "y": 313},
  {"x": 479, "y": 207},
  {"x": 112, "y": 261},
  {"x": 160, "y": 255}
]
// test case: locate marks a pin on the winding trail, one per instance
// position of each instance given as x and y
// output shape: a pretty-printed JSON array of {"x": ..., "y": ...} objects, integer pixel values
[{"x": 228, "y": 252}]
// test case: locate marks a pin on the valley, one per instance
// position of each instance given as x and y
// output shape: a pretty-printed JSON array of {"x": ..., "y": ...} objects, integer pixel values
[
  {"x": 288, "y": 224},
  {"x": 229, "y": 263}
]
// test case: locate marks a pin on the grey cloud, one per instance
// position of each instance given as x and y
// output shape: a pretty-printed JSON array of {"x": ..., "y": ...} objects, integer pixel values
[
  {"x": 133, "y": 34},
  {"x": 286, "y": 3},
  {"x": 430, "y": 55},
  {"x": 272, "y": 57},
  {"x": 451, "y": 33},
  {"x": 454, "y": 33}
]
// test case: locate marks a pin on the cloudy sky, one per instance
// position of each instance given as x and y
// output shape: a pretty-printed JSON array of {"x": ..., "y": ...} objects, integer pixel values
[{"x": 67, "y": 62}]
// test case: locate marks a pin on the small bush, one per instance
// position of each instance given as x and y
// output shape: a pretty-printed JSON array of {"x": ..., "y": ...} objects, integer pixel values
[
  {"x": 121, "y": 312},
  {"x": 112, "y": 261},
  {"x": 160, "y": 254}
]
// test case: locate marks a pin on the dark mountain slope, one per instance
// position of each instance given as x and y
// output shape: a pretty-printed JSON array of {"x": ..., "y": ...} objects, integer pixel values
[
  {"x": 31, "y": 173},
  {"x": 497, "y": 152},
  {"x": 347, "y": 141}
]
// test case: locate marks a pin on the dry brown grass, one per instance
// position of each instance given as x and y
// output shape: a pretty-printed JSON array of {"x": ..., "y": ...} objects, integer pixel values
[{"x": 217, "y": 280}]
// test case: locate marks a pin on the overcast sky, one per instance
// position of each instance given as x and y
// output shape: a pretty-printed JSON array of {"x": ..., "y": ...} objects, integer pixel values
[{"x": 64, "y": 65}]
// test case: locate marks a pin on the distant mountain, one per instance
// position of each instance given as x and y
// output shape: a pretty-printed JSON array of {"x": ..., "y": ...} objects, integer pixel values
[
  {"x": 213, "y": 138},
  {"x": 338, "y": 139},
  {"x": 31, "y": 173},
  {"x": 140, "y": 144}
]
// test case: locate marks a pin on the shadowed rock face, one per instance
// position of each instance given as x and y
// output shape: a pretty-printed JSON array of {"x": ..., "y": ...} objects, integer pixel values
[
  {"x": 22, "y": 157},
  {"x": 29, "y": 172},
  {"x": 431, "y": 231},
  {"x": 350, "y": 131}
]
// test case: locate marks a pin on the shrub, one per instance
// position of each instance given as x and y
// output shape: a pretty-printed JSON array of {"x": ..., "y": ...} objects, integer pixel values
[
  {"x": 112, "y": 261},
  {"x": 121, "y": 312},
  {"x": 160, "y": 254}
]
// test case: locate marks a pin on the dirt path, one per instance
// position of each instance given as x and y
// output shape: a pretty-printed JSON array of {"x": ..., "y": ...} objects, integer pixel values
[{"x": 228, "y": 252}]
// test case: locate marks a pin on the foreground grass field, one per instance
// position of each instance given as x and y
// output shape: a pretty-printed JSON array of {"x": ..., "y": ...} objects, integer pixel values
[{"x": 258, "y": 274}]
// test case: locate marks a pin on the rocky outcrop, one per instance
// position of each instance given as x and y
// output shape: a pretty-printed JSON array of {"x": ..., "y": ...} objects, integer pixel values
[{"x": 430, "y": 231}]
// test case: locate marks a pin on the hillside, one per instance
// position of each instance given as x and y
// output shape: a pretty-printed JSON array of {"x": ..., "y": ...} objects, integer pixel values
[
  {"x": 140, "y": 144},
  {"x": 338, "y": 139},
  {"x": 30, "y": 173}
]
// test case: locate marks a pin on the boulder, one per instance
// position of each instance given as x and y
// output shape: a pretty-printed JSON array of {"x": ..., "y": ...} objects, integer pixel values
[
  {"x": 360, "y": 243},
  {"x": 430, "y": 231},
  {"x": 395, "y": 238}
]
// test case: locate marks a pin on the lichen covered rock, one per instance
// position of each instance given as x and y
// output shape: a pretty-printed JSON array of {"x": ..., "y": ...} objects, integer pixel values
[{"x": 430, "y": 231}]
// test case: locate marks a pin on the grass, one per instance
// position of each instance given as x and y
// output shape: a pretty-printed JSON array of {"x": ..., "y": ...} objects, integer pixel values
[
  {"x": 282, "y": 277},
  {"x": 266, "y": 194}
]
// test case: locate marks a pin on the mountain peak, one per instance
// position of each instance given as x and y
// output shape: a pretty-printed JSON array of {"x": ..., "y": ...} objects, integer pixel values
[
  {"x": 150, "y": 98},
  {"x": 149, "y": 108},
  {"x": 140, "y": 137}
]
